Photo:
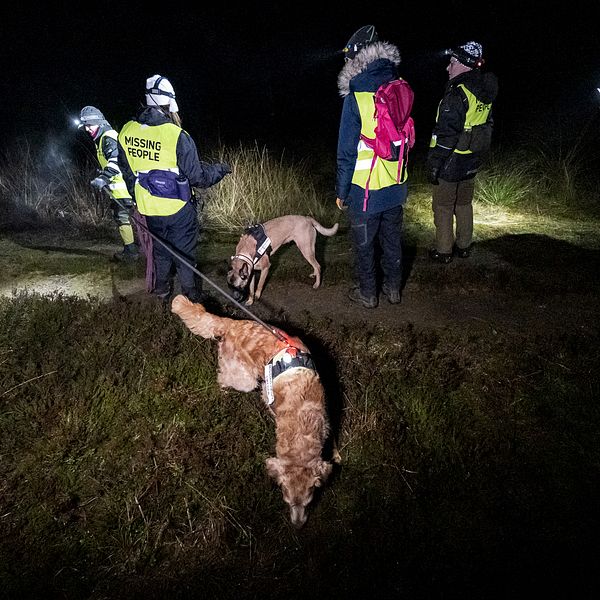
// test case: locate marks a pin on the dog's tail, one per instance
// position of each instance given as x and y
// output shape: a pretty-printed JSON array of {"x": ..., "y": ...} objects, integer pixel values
[
  {"x": 324, "y": 230},
  {"x": 197, "y": 320}
]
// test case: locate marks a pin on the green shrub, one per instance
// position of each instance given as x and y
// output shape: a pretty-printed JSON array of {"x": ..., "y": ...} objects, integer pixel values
[{"x": 262, "y": 187}]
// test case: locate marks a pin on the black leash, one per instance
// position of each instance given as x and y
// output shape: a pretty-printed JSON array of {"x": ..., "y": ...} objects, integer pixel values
[{"x": 274, "y": 331}]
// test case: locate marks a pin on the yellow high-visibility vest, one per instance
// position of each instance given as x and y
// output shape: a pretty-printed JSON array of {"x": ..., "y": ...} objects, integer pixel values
[
  {"x": 385, "y": 172},
  {"x": 477, "y": 115},
  {"x": 150, "y": 148},
  {"x": 117, "y": 185}
]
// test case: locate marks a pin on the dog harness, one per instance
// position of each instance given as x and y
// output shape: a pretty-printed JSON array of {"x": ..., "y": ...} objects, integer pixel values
[
  {"x": 286, "y": 359},
  {"x": 263, "y": 243}
]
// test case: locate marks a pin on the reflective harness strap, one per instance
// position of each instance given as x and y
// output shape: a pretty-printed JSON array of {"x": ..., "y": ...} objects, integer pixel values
[
  {"x": 263, "y": 243},
  {"x": 286, "y": 359}
]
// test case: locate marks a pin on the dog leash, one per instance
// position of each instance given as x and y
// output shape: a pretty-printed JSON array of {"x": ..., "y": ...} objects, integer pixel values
[{"x": 272, "y": 330}]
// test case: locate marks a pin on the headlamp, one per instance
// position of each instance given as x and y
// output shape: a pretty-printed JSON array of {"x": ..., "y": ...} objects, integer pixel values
[{"x": 156, "y": 91}]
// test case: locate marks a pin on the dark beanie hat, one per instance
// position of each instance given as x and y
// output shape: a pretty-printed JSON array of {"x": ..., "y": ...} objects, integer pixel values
[
  {"x": 469, "y": 54},
  {"x": 363, "y": 37}
]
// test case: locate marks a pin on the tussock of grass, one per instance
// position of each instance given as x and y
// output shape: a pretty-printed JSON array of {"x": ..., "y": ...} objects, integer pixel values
[
  {"x": 505, "y": 186},
  {"x": 262, "y": 187}
]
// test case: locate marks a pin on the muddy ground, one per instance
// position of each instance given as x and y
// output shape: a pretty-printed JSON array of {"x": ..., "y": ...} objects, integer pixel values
[{"x": 518, "y": 283}]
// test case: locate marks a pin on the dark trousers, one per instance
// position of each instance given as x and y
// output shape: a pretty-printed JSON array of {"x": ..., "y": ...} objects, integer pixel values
[
  {"x": 386, "y": 229},
  {"x": 180, "y": 232},
  {"x": 453, "y": 201}
]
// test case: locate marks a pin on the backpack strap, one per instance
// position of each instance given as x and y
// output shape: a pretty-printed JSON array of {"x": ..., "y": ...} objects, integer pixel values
[{"x": 366, "y": 198}]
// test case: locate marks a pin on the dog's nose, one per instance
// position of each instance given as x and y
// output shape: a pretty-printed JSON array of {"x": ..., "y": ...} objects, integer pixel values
[
  {"x": 236, "y": 293},
  {"x": 298, "y": 516}
]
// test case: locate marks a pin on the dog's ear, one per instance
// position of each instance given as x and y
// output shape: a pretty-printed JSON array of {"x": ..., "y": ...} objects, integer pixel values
[
  {"x": 244, "y": 271},
  {"x": 321, "y": 471},
  {"x": 274, "y": 468}
]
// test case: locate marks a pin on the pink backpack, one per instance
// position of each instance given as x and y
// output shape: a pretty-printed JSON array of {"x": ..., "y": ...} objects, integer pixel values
[{"x": 395, "y": 128}]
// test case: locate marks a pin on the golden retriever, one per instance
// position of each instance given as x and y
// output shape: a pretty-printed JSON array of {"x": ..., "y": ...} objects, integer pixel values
[
  {"x": 281, "y": 230},
  {"x": 298, "y": 399}
]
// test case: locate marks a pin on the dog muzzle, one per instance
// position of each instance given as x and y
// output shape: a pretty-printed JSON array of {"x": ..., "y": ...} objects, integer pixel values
[{"x": 237, "y": 294}]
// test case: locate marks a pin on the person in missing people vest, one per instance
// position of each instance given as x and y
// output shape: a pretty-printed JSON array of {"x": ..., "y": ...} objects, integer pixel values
[{"x": 160, "y": 165}]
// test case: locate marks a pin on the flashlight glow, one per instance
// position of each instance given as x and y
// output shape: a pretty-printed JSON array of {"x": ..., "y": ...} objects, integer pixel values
[{"x": 76, "y": 122}]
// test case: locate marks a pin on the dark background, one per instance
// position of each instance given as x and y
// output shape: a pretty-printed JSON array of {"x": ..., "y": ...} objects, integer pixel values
[{"x": 267, "y": 72}]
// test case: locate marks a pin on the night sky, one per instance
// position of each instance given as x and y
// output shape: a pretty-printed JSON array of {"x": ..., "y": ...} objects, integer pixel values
[{"x": 268, "y": 72}]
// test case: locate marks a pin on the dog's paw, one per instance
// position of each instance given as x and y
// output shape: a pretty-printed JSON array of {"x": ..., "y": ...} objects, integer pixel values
[
  {"x": 336, "y": 457},
  {"x": 249, "y": 302}
]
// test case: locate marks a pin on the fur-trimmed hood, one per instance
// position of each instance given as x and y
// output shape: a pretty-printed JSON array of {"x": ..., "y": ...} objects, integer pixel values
[{"x": 368, "y": 55}]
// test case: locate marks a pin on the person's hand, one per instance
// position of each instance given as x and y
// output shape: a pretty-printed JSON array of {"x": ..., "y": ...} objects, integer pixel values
[
  {"x": 340, "y": 204},
  {"x": 99, "y": 183},
  {"x": 225, "y": 169},
  {"x": 433, "y": 167},
  {"x": 433, "y": 174}
]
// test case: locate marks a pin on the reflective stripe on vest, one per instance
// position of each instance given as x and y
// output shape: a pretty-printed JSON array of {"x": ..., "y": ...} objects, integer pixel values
[
  {"x": 385, "y": 172},
  {"x": 477, "y": 114},
  {"x": 149, "y": 148},
  {"x": 117, "y": 185}
]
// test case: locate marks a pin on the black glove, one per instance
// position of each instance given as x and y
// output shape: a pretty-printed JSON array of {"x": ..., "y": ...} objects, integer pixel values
[
  {"x": 433, "y": 174},
  {"x": 225, "y": 169},
  {"x": 433, "y": 166}
]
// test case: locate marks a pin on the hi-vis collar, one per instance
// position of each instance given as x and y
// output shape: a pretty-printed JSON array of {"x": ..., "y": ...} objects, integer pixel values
[
  {"x": 286, "y": 359},
  {"x": 263, "y": 243}
]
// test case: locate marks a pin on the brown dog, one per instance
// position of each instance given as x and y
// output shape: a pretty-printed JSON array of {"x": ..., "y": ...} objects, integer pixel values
[
  {"x": 282, "y": 230},
  {"x": 296, "y": 397}
]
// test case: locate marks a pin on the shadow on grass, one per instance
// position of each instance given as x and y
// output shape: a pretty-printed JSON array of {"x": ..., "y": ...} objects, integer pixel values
[{"x": 548, "y": 261}]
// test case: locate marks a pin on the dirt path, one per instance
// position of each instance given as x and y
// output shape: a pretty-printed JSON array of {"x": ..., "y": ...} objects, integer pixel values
[{"x": 513, "y": 283}]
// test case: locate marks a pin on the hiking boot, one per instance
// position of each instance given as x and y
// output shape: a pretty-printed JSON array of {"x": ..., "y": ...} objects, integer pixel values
[
  {"x": 440, "y": 257},
  {"x": 463, "y": 252},
  {"x": 130, "y": 253},
  {"x": 367, "y": 301},
  {"x": 392, "y": 293},
  {"x": 194, "y": 295},
  {"x": 164, "y": 299}
]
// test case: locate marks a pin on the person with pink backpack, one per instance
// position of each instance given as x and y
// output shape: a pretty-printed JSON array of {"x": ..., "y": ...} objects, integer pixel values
[{"x": 375, "y": 135}]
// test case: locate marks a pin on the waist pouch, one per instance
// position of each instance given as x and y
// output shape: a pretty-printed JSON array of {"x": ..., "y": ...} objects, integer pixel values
[
  {"x": 476, "y": 139},
  {"x": 166, "y": 184}
]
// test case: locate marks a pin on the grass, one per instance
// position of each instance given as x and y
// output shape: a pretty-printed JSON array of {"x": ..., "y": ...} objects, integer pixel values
[
  {"x": 261, "y": 188},
  {"x": 470, "y": 455},
  {"x": 123, "y": 464}
]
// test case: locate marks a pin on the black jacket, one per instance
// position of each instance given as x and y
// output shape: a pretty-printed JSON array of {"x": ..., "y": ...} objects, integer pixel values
[
  {"x": 452, "y": 111},
  {"x": 200, "y": 174}
]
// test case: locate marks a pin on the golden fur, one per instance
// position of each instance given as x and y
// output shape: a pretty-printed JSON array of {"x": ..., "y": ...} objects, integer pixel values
[
  {"x": 301, "y": 422},
  {"x": 281, "y": 230}
]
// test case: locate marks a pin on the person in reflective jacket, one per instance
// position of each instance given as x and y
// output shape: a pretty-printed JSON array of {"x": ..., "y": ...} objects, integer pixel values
[
  {"x": 110, "y": 178},
  {"x": 369, "y": 63},
  {"x": 461, "y": 138},
  {"x": 160, "y": 165}
]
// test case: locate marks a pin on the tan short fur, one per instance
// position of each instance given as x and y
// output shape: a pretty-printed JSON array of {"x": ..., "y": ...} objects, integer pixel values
[{"x": 281, "y": 230}]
